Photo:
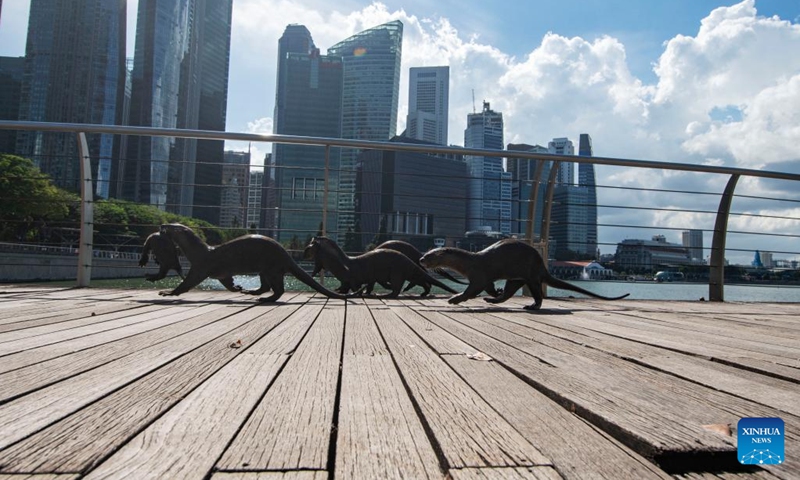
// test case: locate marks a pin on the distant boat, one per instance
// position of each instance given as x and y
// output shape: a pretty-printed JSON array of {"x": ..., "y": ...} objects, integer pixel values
[{"x": 669, "y": 277}]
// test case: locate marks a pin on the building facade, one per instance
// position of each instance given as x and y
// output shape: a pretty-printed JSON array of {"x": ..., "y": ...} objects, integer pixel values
[
  {"x": 11, "y": 71},
  {"x": 586, "y": 179},
  {"x": 650, "y": 255},
  {"x": 523, "y": 178},
  {"x": 566, "y": 170},
  {"x": 256, "y": 186},
  {"x": 416, "y": 196},
  {"x": 693, "y": 240},
  {"x": 428, "y": 104},
  {"x": 310, "y": 104},
  {"x": 179, "y": 80},
  {"x": 370, "y": 95},
  {"x": 489, "y": 186},
  {"x": 73, "y": 75},
  {"x": 235, "y": 190}
]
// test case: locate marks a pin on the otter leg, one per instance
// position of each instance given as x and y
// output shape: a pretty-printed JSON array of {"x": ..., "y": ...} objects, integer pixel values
[
  {"x": 227, "y": 282},
  {"x": 276, "y": 281},
  {"x": 510, "y": 289},
  {"x": 472, "y": 291},
  {"x": 536, "y": 291},
  {"x": 162, "y": 273},
  {"x": 396, "y": 284},
  {"x": 264, "y": 288},
  {"x": 193, "y": 279}
]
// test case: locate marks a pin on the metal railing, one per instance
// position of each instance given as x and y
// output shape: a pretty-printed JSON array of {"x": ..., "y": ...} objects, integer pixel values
[{"x": 722, "y": 214}]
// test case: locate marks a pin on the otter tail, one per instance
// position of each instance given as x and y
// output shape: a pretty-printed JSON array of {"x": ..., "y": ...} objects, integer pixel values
[
  {"x": 304, "y": 277},
  {"x": 557, "y": 283},
  {"x": 447, "y": 275},
  {"x": 433, "y": 281}
]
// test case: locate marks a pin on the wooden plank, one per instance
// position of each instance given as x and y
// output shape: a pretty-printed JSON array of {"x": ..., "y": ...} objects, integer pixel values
[
  {"x": 653, "y": 413},
  {"x": 292, "y": 475},
  {"x": 25, "y": 476},
  {"x": 290, "y": 429},
  {"x": 47, "y": 352},
  {"x": 757, "y": 361},
  {"x": 66, "y": 314},
  {"x": 512, "y": 473},
  {"x": 573, "y": 446},
  {"x": 379, "y": 434},
  {"x": 456, "y": 416},
  {"x": 26, "y": 415},
  {"x": 80, "y": 441},
  {"x": 156, "y": 330},
  {"x": 779, "y": 394}
]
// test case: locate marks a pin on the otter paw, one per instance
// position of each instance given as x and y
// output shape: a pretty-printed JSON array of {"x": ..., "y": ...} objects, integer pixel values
[
  {"x": 532, "y": 307},
  {"x": 491, "y": 300},
  {"x": 166, "y": 293}
]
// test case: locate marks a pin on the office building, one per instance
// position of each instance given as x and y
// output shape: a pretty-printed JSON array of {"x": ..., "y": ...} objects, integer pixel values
[
  {"x": 650, "y": 255},
  {"x": 11, "y": 70},
  {"x": 693, "y": 240},
  {"x": 254, "y": 191},
  {"x": 417, "y": 196},
  {"x": 568, "y": 224},
  {"x": 235, "y": 190},
  {"x": 566, "y": 170},
  {"x": 524, "y": 179},
  {"x": 179, "y": 80},
  {"x": 489, "y": 186},
  {"x": 73, "y": 75},
  {"x": 428, "y": 104},
  {"x": 309, "y": 103},
  {"x": 370, "y": 94},
  {"x": 586, "y": 179}
]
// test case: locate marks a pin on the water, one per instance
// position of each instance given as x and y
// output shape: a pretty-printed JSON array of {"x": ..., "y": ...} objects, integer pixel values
[{"x": 638, "y": 290}]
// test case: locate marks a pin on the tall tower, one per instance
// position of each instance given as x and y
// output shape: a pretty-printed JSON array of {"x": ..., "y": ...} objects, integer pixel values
[
  {"x": 74, "y": 75},
  {"x": 369, "y": 100},
  {"x": 311, "y": 100},
  {"x": 566, "y": 170},
  {"x": 489, "y": 187},
  {"x": 693, "y": 240},
  {"x": 586, "y": 178},
  {"x": 179, "y": 80},
  {"x": 11, "y": 69},
  {"x": 522, "y": 172},
  {"x": 428, "y": 104}
]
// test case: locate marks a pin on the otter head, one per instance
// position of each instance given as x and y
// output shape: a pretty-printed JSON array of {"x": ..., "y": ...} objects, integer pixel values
[
  {"x": 311, "y": 249},
  {"x": 435, "y": 258}
]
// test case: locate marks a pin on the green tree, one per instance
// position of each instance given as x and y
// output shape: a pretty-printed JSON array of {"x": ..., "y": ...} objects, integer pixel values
[{"x": 29, "y": 202}]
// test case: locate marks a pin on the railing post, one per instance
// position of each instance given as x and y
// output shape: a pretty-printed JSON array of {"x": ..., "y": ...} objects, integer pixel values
[
  {"x": 325, "y": 204},
  {"x": 87, "y": 215},
  {"x": 546, "y": 212},
  {"x": 716, "y": 273}
]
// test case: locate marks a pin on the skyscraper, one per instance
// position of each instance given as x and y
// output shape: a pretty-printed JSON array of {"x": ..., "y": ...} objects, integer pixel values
[
  {"x": 428, "y": 104},
  {"x": 235, "y": 188},
  {"x": 489, "y": 187},
  {"x": 11, "y": 69},
  {"x": 370, "y": 94},
  {"x": 179, "y": 80},
  {"x": 74, "y": 75},
  {"x": 566, "y": 170},
  {"x": 693, "y": 240},
  {"x": 522, "y": 172},
  {"x": 586, "y": 178},
  {"x": 311, "y": 105}
]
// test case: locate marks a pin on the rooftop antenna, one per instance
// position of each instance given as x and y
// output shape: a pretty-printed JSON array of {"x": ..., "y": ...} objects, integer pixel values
[{"x": 473, "y": 100}]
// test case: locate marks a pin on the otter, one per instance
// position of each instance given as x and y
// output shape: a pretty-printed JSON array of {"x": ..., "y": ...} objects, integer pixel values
[
  {"x": 165, "y": 254},
  {"x": 389, "y": 268},
  {"x": 243, "y": 255},
  {"x": 515, "y": 261},
  {"x": 411, "y": 252}
]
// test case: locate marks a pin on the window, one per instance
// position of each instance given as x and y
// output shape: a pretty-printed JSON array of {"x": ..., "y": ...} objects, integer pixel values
[{"x": 307, "y": 188}]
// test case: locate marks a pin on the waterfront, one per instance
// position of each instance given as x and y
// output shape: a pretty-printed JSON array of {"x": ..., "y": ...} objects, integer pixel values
[{"x": 644, "y": 290}]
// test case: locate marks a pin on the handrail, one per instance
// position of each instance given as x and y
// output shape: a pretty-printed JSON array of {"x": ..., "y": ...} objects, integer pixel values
[
  {"x": 375, "y": 145},
  {"x": 717, "y": 259}
]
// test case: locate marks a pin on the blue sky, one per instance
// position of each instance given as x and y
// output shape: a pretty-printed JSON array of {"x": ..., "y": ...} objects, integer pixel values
[{"x": 690, "y": 81}]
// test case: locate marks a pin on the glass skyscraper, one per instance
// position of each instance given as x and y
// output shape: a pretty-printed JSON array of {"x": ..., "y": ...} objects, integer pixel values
[
  {"x": 74, "y": 75},
  {"x": 489, "y": 187},
  {"x": 179, "y": 80},
  {"x": 370, "y": 94},
  {"x": 586, "y": 179}
]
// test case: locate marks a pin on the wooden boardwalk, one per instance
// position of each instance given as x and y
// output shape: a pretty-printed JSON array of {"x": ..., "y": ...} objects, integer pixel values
[{"x": 127, "y": 384}]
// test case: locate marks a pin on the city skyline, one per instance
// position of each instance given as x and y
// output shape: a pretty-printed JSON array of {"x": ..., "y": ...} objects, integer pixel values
[{"x": 611, "y": 71}]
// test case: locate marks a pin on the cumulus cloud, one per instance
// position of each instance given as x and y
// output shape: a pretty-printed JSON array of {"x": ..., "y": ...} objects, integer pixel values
[{"x": 728, "y": 95}]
